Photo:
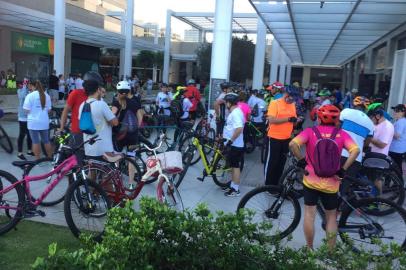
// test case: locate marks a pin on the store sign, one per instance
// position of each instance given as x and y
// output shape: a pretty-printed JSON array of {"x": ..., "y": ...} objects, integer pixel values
[{"x": 31, "y": 44}]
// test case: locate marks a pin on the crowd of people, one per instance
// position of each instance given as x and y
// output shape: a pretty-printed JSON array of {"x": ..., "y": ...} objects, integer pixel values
[{"x": 352, "y": 121}]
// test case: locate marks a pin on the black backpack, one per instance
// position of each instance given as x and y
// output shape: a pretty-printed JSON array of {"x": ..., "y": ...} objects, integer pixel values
[
  {"x": 255, "y": 111},
  {"x": 176, "y": 108}
]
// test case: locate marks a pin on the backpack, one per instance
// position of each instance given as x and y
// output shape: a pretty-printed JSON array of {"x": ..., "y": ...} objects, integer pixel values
[
  {"x": 176, "y": 108},
  {"x": 255, "y": 110},
  {"x": 326, "y": 155},
  {"x": 129, "y": 124},
  {"x": 86, "y": 124}
]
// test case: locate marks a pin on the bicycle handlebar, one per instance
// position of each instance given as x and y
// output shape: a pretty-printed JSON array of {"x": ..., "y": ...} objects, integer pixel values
[{"x": 161, "y": 139}]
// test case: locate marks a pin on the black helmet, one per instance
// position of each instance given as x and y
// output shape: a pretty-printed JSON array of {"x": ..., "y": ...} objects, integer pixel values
[
  {"x": 225, "y": 85},
  {"x": 233, "y": 98},
  {"x": 93, "y": 76}
]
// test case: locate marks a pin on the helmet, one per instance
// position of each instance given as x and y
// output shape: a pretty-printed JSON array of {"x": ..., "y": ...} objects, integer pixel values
[
  {"x": 233, "y": 98},
  {"x": 328, "y": 114},
  {"x": 324, "y": 93},
  {"x": 123, "y": 85},
  {"x": 292, "y": 91},
  {"x": 361, "y": 101},
  {"x": 375, "y": 109},
  {"x": 191, "y": 81},
  {"x": 276, "y": 85},
  {"x": 93, "y": 76},
  {"x": 179, "y": 88},
  {"x": 224, "y": 85}
]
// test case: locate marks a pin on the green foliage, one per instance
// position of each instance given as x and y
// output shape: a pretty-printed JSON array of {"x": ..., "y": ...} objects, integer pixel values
[
  {"x": 157, "y": 237},
  {"x": 145, "y": 59}
]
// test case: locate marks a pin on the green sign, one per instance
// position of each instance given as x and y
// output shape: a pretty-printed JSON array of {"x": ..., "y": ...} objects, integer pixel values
[{"x": 31, "y": 44}]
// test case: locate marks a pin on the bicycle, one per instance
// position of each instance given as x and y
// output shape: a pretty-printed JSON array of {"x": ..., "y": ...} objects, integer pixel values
[
  {"x": 252, "y": 137},
  {"x": 358, "y": 224},
  {"x": 5, "y": 141},
  {"x": 217, "y": 167},
  {"x": 21, "y": 203}
]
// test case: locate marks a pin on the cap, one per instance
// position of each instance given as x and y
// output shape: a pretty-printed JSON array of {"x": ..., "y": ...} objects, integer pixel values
[
  {"x": 354, "y": 91},
  {"x": 399, "y": 108}
]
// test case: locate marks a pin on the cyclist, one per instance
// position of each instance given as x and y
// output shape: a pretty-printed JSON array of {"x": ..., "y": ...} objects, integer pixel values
[
  {"x": 323, "y": 188},
  {"x": 193, "y": 94},
  {"x": 220, "y": 107},
  {"x": 325, "y": 94},
  {"x": 281, "y": 117},
  {"x": 258, "y": 107},
  {"x": 184, "y": 105},
  {"x": 361, "y": 129},
  {"x": 276, "y": 92},
  {"x": 398, "y": 147},
  {"x": 233, "y": 133},
  {"x": 163, "y": 100}
]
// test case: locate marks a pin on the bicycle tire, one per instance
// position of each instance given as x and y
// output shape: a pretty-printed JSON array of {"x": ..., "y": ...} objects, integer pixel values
[
  {"x": 5, "y": 141},
  {"x": 358, "y": 206},
  {"x": 137, "y": 173},
  {"x": 265, "y": 193},
  {"x": 72, "y": 197},
  {"x": 168, "y": 194},
  {"x": 298, "y": 185},
  {"x": 54, "y": 197},
  {"x": 250, "y": 143},
  {"x": 185, "y": 144},
  {"x": 223, "y": 179},
  {"x": 186, "y": 160},
  {"x": 10, "y": 221}
]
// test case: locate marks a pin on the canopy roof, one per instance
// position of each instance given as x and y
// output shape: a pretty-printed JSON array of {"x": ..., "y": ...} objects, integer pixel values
[{"x": 331, "y": 31}]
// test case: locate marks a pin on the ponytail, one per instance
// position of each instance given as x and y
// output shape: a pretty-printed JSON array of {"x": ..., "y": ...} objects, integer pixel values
[{"x": 41, "y": 91}]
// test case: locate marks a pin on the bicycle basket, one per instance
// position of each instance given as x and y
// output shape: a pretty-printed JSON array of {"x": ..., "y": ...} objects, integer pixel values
[
  {"x": 171, "y": 162},
  {"x": 376, "y": 161}
]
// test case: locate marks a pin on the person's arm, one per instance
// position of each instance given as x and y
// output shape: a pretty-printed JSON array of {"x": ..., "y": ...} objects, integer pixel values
[
  {"x": 352, "y": 149},
  {"x": 296, "y": 143},
  {"x": 108, "y": 115},
  {"x": 378, "y": 143},
  {"x": 140, "y": 116},
  {"x": 236, "y": 133},
  {"x": 295, "y": 148}
]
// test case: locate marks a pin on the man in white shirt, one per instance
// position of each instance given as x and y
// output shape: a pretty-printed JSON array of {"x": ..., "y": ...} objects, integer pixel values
[
  {"x": 233, "y": 133},
  {"x": 150, "y": 84},
  {"x": 103, "y": 120},
  {"x": 79, "y": 82},
  {"x": 163, "y": 100}
]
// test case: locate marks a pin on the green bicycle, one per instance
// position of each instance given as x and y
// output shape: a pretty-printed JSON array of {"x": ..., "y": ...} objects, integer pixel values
[{"x": 252, "y": 137}]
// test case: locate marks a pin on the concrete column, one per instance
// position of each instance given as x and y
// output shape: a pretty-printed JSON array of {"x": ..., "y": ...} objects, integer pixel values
[
  {"x": 368, "y": 61},
  {"x": 204, "y": 36},
  {"x": 273, "y": 74},
  {"x": 260, "y": 46},
  {"x": 154, "y": 67},
  {"x": 68, "y": 57},
  {"x": 344, "y": 78},
  {"x": 167, "y": 51},
  {"x": 122, "y": 55},
  {"x": 282, "y": 70},
  {"x": 59, "y": 36},
  {"x": 128, "y": 47},
  {"x": 221, "y": 49},
  {"x": 5, "y": 49},
  {"x": 356, "y": 74},
  {"x": 306, "y": 77},
  {"x": 288, "y": 73},
  {"x": 189, "y": 70}
]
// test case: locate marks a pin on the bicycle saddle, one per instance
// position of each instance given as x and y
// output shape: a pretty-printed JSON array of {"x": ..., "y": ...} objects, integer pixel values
[
  {"x": 22, "y": 164},
  {"x": 112, "y": 157}
]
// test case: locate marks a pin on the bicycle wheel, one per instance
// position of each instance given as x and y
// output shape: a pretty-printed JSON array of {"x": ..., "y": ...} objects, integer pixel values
[
  {"x": 268, "y": 204},
  {"x": 5, "y": 141},
  {"x": 186, "y": 160},
  {"x": 366, "y": 232},
  {"x": 44, "y": 166},
  {"x": 83, "y": 215},
  {"x": 393, "y": 188},
  {"x": 168, "y": 194},
  {"x": 187, "y": 143},
  {"x": 221, "y": 173},
  {"x": 292, "y": 172},
  {"x": 250, "y": 142},
  {"x": 11, "y": 203},
  {"x": 208, "y": 136},
  {"x": 129, "y": 168}
]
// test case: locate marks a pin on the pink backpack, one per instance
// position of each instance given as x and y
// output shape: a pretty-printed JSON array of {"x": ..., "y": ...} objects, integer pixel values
[{"x": 326, "y": 155}]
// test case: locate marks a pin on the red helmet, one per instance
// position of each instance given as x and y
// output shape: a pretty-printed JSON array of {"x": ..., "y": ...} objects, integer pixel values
[
  {"x": 328, "y": 114},
  {"x": 277, "y": 85}
]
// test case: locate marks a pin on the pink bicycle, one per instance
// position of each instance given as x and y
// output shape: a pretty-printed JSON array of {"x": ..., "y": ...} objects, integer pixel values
[{"x": 16, "y": 201}]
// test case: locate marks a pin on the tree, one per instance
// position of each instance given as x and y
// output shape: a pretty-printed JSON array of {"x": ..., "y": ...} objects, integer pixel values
[{"x": 242, "y": 59}]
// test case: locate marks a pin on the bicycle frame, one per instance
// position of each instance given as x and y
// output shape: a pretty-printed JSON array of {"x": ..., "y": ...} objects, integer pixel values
[
  {"x": 61, "y": 170},
  {"x": 209, "y": 168}
]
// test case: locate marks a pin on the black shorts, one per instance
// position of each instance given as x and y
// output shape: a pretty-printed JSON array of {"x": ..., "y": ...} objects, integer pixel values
[
  {"x": 312, "y": 196},
  {"x": 235, "y": 157}
]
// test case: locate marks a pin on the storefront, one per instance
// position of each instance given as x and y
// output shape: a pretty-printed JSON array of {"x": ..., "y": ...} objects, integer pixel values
[
  {"x": 84, "y": 58},
  {"x": 31, "y": 56}
]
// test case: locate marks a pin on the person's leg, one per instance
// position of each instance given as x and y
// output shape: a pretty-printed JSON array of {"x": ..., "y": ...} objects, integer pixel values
[
  {"x": 21, "y": 135},
  {"x": 310, "y": 200},
  {"x": 275, "y": 160},
  {"x": 330, "y": 204},
  {"x": 29, "y": 141},
  {"x": 36, "y": 146},
  {"x": 234, "y": 158},
  {"x": 45, "y": 140}
]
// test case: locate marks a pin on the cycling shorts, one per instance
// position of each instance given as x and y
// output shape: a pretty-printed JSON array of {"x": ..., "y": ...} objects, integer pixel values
[
  {"x": 235, "y": 157},
  {"x": 312, "y": 196}
]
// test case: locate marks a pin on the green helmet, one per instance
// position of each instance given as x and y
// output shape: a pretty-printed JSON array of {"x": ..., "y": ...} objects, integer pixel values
[
  {"x": 324, "y": 93},
  {"x": 375, "y": 108}
]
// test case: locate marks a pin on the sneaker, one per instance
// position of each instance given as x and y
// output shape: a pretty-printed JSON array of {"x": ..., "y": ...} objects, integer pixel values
[
  {"x": 131, "y": 187},
  {"x": 232, "y": 193},
  {"x": 30, "y": 153},
  {"x": 21, "y": 156},
  {"x": 226, "y": 188}
]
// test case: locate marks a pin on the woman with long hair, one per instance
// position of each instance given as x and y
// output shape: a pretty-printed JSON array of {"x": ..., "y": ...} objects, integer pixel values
[{"x": 37, "y": 105}]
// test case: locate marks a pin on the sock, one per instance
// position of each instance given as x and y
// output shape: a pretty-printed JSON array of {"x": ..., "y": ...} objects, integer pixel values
[{"x": 235, "y": 186}]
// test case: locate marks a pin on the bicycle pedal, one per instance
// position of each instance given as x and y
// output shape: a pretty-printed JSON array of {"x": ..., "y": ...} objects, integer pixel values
[{"x": 41, "y": 213}]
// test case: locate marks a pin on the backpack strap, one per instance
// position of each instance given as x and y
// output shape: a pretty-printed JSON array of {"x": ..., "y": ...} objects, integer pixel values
[
  {"x": 317, "y": 132},
  {"x": 334, "y": 134}
]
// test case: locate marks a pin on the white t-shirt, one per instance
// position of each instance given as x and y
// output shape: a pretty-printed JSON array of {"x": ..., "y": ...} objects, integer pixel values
[
  {"x": 358, "y": 125},
  {"x": 383, "y": 132},
  {"x": 234, "y": 120},
  {"x": 37, "y": 117},
  {"x": 101, "y": 115},
  {"x": 79, "y": 83},
  {"x": 150, "y": 83},
  {"x": 306, "y": 94},
  {"x": 326, "y": 102},
  {"x": 186, "y": 105},
  {"x": 61, "y": 86},
  {"x": 163, "y": 100},
  {"x": 251, "y": 101},
  {"x": 261, "y": 109}
]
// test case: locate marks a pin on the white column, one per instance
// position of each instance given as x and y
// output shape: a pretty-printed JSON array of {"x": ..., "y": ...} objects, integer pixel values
[
  {"x": 221, "y": 49},
  {"x": 122, "y": 55},
  {"x": 288, "y": 72},
  {"x": 282, "y": 71},
  {"x": 259, "y": 58},
  {"x": 154, "y": 67},
  {"x": 273, "y": 74},
  {"x": 128, "y": 48},
  {"x": 59, "y": 36},
  {"x": 167, "y": 51}
]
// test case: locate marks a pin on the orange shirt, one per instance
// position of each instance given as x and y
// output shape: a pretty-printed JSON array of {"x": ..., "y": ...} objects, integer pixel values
[{"x": 280, "y": 109}]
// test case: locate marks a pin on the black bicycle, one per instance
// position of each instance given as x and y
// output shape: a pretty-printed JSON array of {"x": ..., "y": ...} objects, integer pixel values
[
  {"x": 5, "y": 141},
  {"x": 359, "y": 224}
]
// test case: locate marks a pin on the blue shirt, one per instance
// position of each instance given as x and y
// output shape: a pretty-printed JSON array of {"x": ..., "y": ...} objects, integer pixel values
[{"x": 399, "y": 145}]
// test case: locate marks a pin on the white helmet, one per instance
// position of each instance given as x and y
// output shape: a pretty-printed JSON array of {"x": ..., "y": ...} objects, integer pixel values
[{"x": 123, "y": 85}]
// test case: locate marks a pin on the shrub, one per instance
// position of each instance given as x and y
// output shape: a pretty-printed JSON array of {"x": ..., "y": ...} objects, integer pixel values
[{"x": 157, "y": 237}]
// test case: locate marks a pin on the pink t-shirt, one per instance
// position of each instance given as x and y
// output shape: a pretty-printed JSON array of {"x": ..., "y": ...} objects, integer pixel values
[
  {"x": 308, "y": 138},
  {"x": 245, "y": 108},
  {"x": 383, "y": 132}
]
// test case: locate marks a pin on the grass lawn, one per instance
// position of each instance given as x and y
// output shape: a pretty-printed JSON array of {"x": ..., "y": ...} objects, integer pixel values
[{"x": 19, "y": 249}]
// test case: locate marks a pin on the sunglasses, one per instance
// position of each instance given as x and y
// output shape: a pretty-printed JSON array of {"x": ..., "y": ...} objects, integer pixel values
[{"x": 123, "y": 92}]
